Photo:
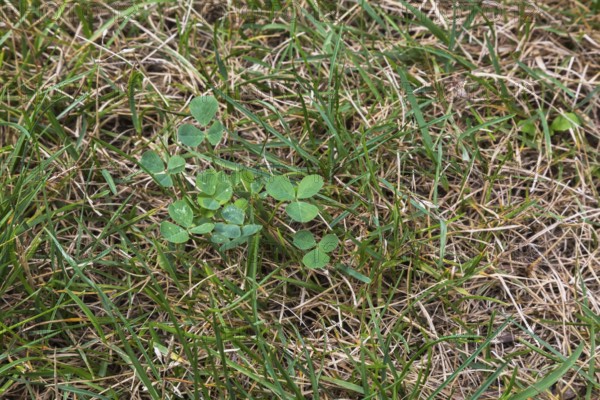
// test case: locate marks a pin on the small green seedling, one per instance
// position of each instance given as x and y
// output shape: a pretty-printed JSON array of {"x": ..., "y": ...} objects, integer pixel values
[
  {"x": 281, "y": 189},
  {"x": 318, "y": 257}
]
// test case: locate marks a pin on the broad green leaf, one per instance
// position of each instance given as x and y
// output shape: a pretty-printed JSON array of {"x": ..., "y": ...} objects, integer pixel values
[
  {"x": 228, "y": 230},
  {"x": 540, "y": 387},
  {"x": 152, "y": 162},
  {"x": 218, "y": 238},
  {"x": 181, "y": 213},
  {"x": 304, "y": 240},
  {"x": 202, "y": 229},
  {"x": 301, "y": 211},
  {"x": 280, "y": 188},
  {"x": 215, "y": 133},
  {"x": 206, "y": 182},
  {"x": 315, "y": 259},
  {"x": 164, "y": 180},
  {"x": 251, "y": 229},
  {"x": 189, "y": 135},
  {"x": 328, "y": 243},
  {"x": 209, "y": 203},
  {"x": 242, "y": 204},
  {"x": 173, "y": 233},
  {"x": 233, "y": 243},
  {"x": 564, "y": 123},
  {"x": 223, "y": 192},
  {"x": 176, "y": 165},
  {"x": 309, "y": 186},
  {"x": 203, "y": 109},
  {"x": 233, "y": 215}
]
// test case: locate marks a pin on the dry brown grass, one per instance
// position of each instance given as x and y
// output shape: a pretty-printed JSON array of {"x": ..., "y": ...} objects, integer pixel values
[{"x": 523, "y": 220}]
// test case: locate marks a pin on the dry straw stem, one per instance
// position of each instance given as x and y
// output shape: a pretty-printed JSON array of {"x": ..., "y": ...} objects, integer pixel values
[{"x": 96, "y": 305}]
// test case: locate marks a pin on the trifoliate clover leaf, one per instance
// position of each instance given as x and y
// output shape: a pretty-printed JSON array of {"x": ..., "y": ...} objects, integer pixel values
[
  {"x": 223, "y": 191},
  {"x": 206, "y": 182},
  {"x": 209, "y": 203},
  {"x": 219, "y": 239},
  {"x": 251, "y": 229},
  {"x": 164, "y": 180},
  {"x": 233, "y": 243},
  {"x": 564, "y": 123}
]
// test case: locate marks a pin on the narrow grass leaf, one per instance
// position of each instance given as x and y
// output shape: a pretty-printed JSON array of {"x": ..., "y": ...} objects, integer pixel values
[
  {"x": 353, "y": 273},
  {"x": 109, "y": 180},
  {"x": 540, "y": 387}
]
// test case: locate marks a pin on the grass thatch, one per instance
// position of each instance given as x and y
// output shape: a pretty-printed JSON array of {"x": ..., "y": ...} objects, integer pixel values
[{"x": 468, "y": 221}]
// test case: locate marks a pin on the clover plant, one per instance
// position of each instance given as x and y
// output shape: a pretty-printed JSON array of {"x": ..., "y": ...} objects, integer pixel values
[
  {"x": 318, "y": 257},
  {"x": 281, "y": 189},
  {"x": 217, "y": 207}
]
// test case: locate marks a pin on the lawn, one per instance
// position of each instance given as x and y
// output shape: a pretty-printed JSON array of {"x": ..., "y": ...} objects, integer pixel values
[{"x": 300, "y": 199}]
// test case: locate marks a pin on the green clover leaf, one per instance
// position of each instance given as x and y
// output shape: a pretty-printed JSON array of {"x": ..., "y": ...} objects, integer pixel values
[
  {"x": 301, "y": 212},
  {"x": 203, "y": 109},
  {"x": 173, "y": 233}
]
